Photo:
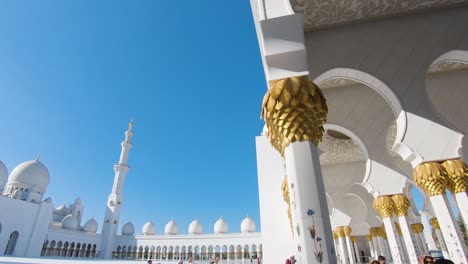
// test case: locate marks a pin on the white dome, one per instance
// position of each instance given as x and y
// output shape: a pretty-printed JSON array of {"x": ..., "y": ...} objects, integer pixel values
[
  {"x": 247, "y": 225},
  {"x": 91, "y": 226},
  {"x": 70, "y": 222},
  {"x": 195, "y": 228},
  {"x": 31, "y": 173},
  {"x": 63, "y": 209},
  {"x": 221, "y": 226},
  {"x": 48, "y": 200},
  {"x": 128, "y": 229},
  {"x": 3, "y": 175},
  {"x": 171, "y": 228},
  {"x": 149, "y": 229}
]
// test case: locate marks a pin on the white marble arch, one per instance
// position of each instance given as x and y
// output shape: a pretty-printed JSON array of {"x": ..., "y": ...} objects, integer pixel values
[{"x": 446, "y": 91}]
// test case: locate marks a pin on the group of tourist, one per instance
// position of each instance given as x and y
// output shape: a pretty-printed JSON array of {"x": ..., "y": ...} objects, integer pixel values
[
  {"x": 427, "y": 259},
  {"x": 214, "y": 261}
]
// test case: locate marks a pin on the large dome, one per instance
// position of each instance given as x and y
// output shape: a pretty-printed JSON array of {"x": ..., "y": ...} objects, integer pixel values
[
  {"x": 195, "y": 228},
  {"x": 128, "y": 229},
  {"x": 171, "y": 228},
  {"x": 247, "y": 225},
  {"x": 91, "y": 226},
  {"x": 149, "y": 229},
  {"x": 3, "y": 175},
  {"x": 32, "y": 173},
  {"x": 221, "y": 226},
  {"x": 70, "y": 222}
]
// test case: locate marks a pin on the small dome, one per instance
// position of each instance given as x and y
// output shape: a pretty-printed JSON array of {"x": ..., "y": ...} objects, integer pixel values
[
  {"x": 149, "y": 229},
  {"x": 63, "y": 209},
  {"x": 78, "y": 200},
  {"x": 70, "y": 222},
  {"x": 91, "y": 226},
  {"x": 247, "y": 225},
  {"x": 195, "y": 228},
  {"x": 128, "y": 229},
  {"x": 48, "y": 200},
  {"x": 3, "y": 175},
  {"x": 221, "y": 226},
  {"x": 31, "y": 172},
  {"x": 171, "y": 228}
]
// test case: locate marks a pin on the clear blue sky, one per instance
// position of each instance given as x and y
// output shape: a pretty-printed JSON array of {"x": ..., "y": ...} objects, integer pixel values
[{"x": 73, "y": 73}]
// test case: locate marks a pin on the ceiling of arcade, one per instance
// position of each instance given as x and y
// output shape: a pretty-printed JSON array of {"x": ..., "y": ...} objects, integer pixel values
[
  {"x": 365, "y": 113},
  {"x": 320, "y": 14}
]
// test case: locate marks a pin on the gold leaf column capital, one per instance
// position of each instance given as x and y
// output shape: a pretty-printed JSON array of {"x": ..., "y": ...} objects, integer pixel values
[
  {"x": 431, "y": 177},
  {"x": 335, "y": 236},
  {"x": 294, "y": 109},
  {"x": 374, "y": 231},
  {"x": 457, "y": 175},
  {"x": 384, "y": 206},
  {"x": 369, "y": 237},
  {"x": 339, "y": 231},
  {"x": 354, "y": 239},
  {"x": 347, "y": 231},
  {"x": 417, "y": 228},
  {"x": 435, "y": 223},
  {"x": 401, "y": 203}
]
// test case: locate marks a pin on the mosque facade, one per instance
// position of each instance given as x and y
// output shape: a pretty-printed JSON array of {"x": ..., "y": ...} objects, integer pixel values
[{"x": 31, "y": 226}]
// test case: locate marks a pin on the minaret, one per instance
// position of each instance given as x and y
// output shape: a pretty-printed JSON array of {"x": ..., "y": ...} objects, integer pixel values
[{"x": 114, "y": 203}]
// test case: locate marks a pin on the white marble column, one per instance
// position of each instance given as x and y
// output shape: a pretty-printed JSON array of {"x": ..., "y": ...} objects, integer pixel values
[
  {"x": 356, "y": 249},
  {"x": 374, "y": 231},
  {"x": 307, "y": 194},
  {"x": 440, "y": 237},
  {"x": 450, "y": 231},
  {"x": 433, "y": 178},
  {"x": 417, "y": 230},
  {"x": 427, "y": 233},
  {"x": 294, "y": 111},
  {"x": 385, "y": 207},
  {"x": 342, "y": 245},
  {"x": 383, "y": 247},
  {"x": 371, "y": 247},
  {"x": 402, "y": 205},
  {"x": 349, "y": 245},
  {"x": 458, "y": 185}
]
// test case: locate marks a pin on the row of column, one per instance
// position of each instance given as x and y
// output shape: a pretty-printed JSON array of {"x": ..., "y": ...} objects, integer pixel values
[
  {"x": 346, "y": 245},
  {"x": 434, "y": 178}
]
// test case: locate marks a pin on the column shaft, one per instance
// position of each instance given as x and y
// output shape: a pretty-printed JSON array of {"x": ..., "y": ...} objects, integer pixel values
[
  {"x": 308, "y": 202},
  {"x": 349, "y": 248},
  {"x": 392, "y": 240},
  {"x": 343, "y": 251},
  {"x": 450, "y": 231},
  {"x": 410, "y": 248},
  {"x": 356, "y": 252}
]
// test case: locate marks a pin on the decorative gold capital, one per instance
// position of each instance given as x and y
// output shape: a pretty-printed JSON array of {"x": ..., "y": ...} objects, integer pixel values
[
  {"x": 435, "y": 223},
  {"x": 401, "y": 203},
  {"x": 339, "y": 231},
  {"x": 294, "y": 109},
  {"x": 354, "y": 239},
  {"x": 384, "y": 206},
  {"x": 417, "y": 228},
  {"x": 457, "y": 175},
  {"x": 369, "y": 237},
  {"x": 431, "y": 177},
  {"x": 347, "y": 230},
  {"x": 374, "y": 231}
]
